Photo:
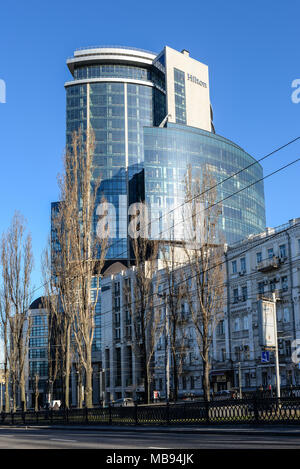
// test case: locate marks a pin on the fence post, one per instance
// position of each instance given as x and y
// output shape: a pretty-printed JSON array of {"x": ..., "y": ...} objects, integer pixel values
[
  {"x": 207, "y": 411},
  {"x": 136, "y": 413},
  {"x": 12, "y": 417},
  {"x": 255, "y": 407},
  {"x": 86, "y": 415},
  {"x": 109, "y": 410},
  {"x": 37, "y": 417},
  {"x": 168, "y": 413},
  {"x": 23, "y": 417},
  {"x": 67, "y": 415}
]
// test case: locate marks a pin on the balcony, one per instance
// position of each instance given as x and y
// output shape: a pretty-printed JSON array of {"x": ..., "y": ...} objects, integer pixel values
[{"x": 267, "y": 265}]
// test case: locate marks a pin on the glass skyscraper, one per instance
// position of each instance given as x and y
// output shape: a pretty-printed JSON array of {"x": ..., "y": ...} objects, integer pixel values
[{"x": 152, "y": 119}]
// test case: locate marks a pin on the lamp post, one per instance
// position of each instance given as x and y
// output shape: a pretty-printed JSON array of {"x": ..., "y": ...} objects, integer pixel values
[
  {"x": 101, "y": 390},
  {"x": 167, "y": 347}
]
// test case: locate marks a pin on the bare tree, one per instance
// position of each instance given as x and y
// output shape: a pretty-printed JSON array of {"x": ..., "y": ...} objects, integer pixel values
[
  {"x": 5, "y": 311},
  {"x": 36, "y": 392},
  {"x": 55, "y": 324},
  {"x": 80, "y": 255},
  {"x": 144, "y": 317},
  {"x": 173, "y": 297},
  {"x": 204, "y": 276},
  {"x": 17, "y": 264}
]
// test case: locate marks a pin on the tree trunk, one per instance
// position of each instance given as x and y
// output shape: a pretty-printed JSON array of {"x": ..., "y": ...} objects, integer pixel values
[
  {"x": 79, "y": 384},
  {"x": 36, "y": 396},
  {"x": 22, "y": 391},
  {"x": 67, "y": 369},
  {"x": 175, "y": 378},
  {"x": 14, "y": 392},
  {"x": 89, "y": 387},
  {"x": 206, "y": 381},
  {"x": 145, "y": 374},
  {"x": 7, "y": 403}
]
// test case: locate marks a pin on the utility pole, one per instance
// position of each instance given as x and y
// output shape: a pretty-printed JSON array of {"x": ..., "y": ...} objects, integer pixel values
[
  {"x": 167, "y": 347},
  {"x": 276, "y": 353},
  {"x": 167, "y": 352}
]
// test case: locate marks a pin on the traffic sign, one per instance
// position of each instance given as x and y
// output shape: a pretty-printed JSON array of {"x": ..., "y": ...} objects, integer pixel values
[{"x": 265, "y": 356}]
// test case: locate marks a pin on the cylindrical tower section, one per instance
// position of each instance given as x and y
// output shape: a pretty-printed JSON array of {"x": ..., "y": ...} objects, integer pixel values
[{"x": 116, "y": 92}]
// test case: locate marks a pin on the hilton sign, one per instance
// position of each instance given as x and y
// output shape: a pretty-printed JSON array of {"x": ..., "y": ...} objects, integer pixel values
[{"x": 196, "y": 80}]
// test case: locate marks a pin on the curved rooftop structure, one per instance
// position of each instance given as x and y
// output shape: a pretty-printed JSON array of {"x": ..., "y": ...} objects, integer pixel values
[
  {"x": 38, "y": 303},
  {"x": 111, "y": 54}
]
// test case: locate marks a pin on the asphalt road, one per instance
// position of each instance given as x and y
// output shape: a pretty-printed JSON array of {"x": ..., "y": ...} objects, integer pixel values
[{"x": 37, "y": 438}]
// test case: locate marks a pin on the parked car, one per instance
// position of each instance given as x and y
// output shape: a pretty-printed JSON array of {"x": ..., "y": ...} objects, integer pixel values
[
  {"x": 123, "y": 402},
  {"x": 223, "y": 394}
]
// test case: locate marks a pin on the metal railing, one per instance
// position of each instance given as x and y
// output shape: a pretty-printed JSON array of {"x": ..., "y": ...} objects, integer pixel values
[{"x": 253, "y": 410}]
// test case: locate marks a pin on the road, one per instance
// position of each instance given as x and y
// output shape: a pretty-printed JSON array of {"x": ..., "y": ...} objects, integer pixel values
[{"x": 38, "y": 438}]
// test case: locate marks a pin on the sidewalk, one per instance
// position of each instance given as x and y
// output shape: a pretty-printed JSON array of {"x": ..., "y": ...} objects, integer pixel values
[{"x": 260, "y": 430}]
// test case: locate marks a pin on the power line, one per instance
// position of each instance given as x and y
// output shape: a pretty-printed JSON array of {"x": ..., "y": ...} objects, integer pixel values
[
  {"x": 214, "y": 266},
  {"x": 227, "y": 197}
]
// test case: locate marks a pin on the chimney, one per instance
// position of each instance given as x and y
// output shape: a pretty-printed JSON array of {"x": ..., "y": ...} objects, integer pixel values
[{"x": 185, "y": 52}]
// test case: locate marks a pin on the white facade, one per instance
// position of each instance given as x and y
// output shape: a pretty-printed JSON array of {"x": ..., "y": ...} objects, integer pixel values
[
  {"x": 196, "y": 84},
  {"x": 256, "y": 267},
  {"x": 122, "y": 376}
]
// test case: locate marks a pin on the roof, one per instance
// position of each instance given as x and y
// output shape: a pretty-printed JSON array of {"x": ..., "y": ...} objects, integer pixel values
[{"x": 38, "y": 303}]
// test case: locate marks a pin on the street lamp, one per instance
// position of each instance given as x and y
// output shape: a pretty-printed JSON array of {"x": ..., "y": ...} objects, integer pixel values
[
  {"x": 167, "y": 347},
  {"x": 101, "y": 390}
]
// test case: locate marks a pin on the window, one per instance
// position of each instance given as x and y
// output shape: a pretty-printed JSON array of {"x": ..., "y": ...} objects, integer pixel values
[
  {"x": 258, "y": 257},
  {"x": 260, "y": 287},
  {"x": 180, "y": 102},
  {"x": 234, "y": 267},
  {"x": 237, "y": 353},
  {"x": 282, "y": 250},
  {"x": 270, "y": 253},
  {"x": 117, "y": 319},
  {"x": 127, "y": 317},
  {"x": 243, "y": 264},
  {"x": 117, "y": 303},
  {"x": 117, "y": 288},
  {"x": 246, "y": 323},
  {"x": 244, "y": 293},
  {"x": 284, "y": 283},
  {"x": 246, "y": 352},
  {"x": 236, "y": 324},
  {"x": 235, "y": 295},
  {"x": 220, "y": 328},
  {"x": 192, "y": 382},
  {"x": 286, "y": 315},
  {"x": 287, "y": 346}
]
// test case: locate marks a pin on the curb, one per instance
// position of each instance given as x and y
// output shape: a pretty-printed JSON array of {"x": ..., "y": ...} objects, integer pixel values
[{"x": 207, "y": 431}]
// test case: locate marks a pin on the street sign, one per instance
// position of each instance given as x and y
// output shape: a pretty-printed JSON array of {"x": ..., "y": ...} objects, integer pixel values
[
  {"x": 267, "y": 323},
  {"x": 265, "y": 356}
]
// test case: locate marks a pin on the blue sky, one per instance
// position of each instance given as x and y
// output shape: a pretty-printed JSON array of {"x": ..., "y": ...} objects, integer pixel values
[{"x": 251, "y": 48}]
